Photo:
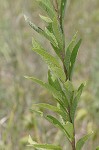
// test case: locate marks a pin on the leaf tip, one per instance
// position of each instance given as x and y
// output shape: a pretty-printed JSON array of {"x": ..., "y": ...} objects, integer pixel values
[
  {"x": 26, "y": 77},
  {"x": 25, "y": 17}
]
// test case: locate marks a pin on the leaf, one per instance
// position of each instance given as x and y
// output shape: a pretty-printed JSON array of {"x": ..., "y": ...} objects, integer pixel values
[
  {"x": 97, "y": 148},
  {"x": 47, "y": 7},
  {"x": 63, "y": 6},
  {"x": 82, "y": 141},
  {"x": 58, "y": 33},
  {"x": 68, "y": 53},
  {"x": 61, "y": 112},
  {"x": 57, "y": 51},
  {"x": 30, "y": 141},
  {"x": 69, "y": 91},
  {"x": 52, "y": 90},
  {"x": 70, "y": 129},
  {"x": 65, "y": 115},
  {"x": 53, "y": 81},
  {"x": 37, "y": 29},
  {"x": 48, "y": 106},
  {"x": 46, "y": 19},
  {"x": 47, "y": 146},
  {"x": 75, "y": 101},
  {"x": 42, "y": 146},
  {"x": 73, "y": 57},
  {"x": 47, "y": 34},
  {"x": 51, "y": 37},
  {"x": 56, "y": 94},
  {"x": 58, "y": 124},
  {"x": 73, "y": 42},
  {"x": 51, "y": 61},
  {"x": 37, "y": 112},
  {"x": 69, "y": 86}
]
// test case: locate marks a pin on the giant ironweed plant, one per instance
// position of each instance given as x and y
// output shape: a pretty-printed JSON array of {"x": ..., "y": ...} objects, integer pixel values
[{"x": 60, "y": 74}]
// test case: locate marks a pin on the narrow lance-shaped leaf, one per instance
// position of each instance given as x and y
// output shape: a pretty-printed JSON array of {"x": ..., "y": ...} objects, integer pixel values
[
  {"x": 48, "y": 106},
  {"x": 59, "y": 97},
  {"x": 47, "y": 34},
  {"x": 70, "y": 129},
  {"x": 59, "y": 111},
  {"x": 46, "y": 19},
  {"x": 75, "y": 101},
  {"x": 58, "y": 33},
  {"x": 31, "y": 142},
  {"x": 68, "y": 53},
  {"x": 58, "y": 124},
  {"x": 50, "y": 36},
  {"x": 42, "y": 146},
  {"x": 57, "y": 51},
  {"x": 37, "y": 29},
  {"x": 47, "y": 7},
  {"x": 47, "y": 146},
  {"x": 62, "y": 9},
  {"x": 37, "y": 112},
  {"x": 54, "y": 81},
  {"x": 56, "y": 84},
  {"x": 82, "y": 141},
  {"x": 50, "y": 60},
  {"x": 68, "y": 90},
  {"x": 73, "y": 57}
]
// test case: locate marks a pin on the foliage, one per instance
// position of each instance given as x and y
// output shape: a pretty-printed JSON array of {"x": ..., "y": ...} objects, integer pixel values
[
  {"x": 59, "y": 74},
  {"x": 16, "y": 60}
]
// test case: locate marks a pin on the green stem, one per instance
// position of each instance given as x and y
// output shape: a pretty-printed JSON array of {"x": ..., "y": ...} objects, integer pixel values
[
  {"x": 65, "y": 70},
  {"x": 73, "y": 142}
]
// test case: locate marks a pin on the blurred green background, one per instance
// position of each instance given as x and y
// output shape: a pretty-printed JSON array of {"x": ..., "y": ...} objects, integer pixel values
[{"x": 16, "y": 60}]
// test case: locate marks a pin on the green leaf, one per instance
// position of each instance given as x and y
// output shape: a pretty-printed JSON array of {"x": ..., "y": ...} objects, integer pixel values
[
  {"x": 47, "y": 34},
  {"x": 68, "y": 53},
  {"x": 51, "y": 61},
  {"x": 42, "y": 146},
  {"x": 73, "y": 42},
  {"x": 97, "y": 148},
  {"x": 46, "y": 146},
  {"x": 47, "y": 7},
  {"x": 30, "y": 141},
  {"x": 69, "y": 86},
  {"x": 68, "y": 90},
  {"x": 58, "y": 124},
  {"x": 57, "y": 51},
  {"x": 63, "y": 6},
  {"x": 50, "y": 36},
  {"x": 82, "y": 141},
  {"x": 58, "y": 33},
  {"x": 37, "y": 29},
  {"x": 73, "y": 57},
  {"x": 37, "y": 112},
  {"x": 70, "y": 129},
  {"x": 52, "y": 90},
  {"x": 61, "y": 112},
  {"x": 46, "y": 19},
  {"x": 56, "y": 94},
  {"x": 53, "y": 81},
  {"x": 75, "y": 101},
  {"x": 48, "y": 106}
]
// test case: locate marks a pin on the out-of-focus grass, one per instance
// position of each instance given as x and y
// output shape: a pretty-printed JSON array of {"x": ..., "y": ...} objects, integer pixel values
[{"x": 16, "y": 60}]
